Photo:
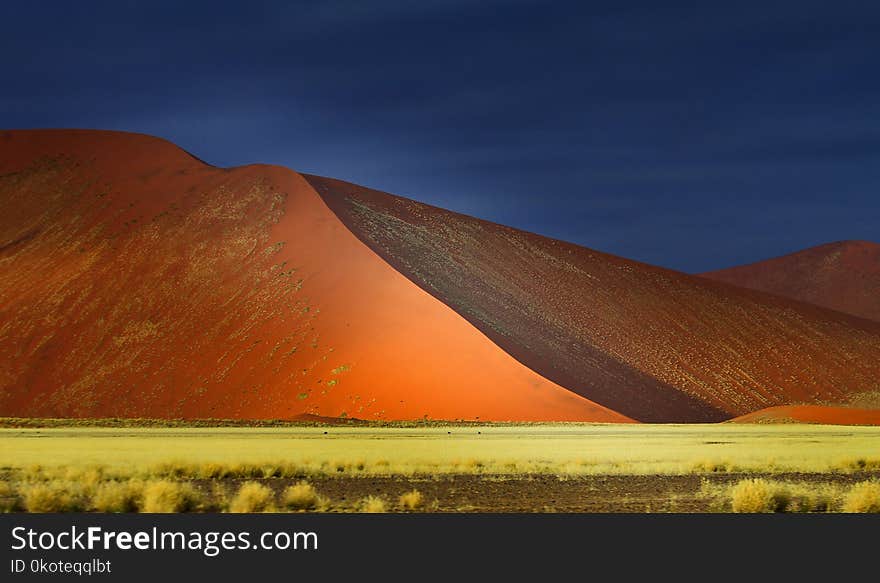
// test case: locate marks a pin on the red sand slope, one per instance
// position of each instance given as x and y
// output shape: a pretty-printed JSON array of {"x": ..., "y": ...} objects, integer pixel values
[
  {"x": 812, "y": 414},
  {"x": 137, "y": 281},
  {"x": 654, "y": 344},
  {"x": 843, "y": 276}
]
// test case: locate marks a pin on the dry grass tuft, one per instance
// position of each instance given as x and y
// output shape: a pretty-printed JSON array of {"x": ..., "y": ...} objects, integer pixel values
[
  {"x": 301, "y": 496},
  {"x": 219, "y": 501},
  {"x": 9, "y": 500},
  {"x": 711, "y": 466},
  {"x": 87, "y": 477},
  {"x": 115, "y": 496},
  {"x": 859, "y": 464},
  {"x": 758, "y": 495},
  {"x": 410, "y": 500},
  {"x": 169, "y": 496},
  {"x": 253, "y": 497},
  {"x": 863, "y": 497},
  {"x": 812, "y": 498},
  {"x": 52, "y": 496},
  {"x": 373, "y": 505}
]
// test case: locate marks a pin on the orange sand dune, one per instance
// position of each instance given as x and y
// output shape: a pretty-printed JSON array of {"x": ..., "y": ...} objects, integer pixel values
[
  {"x": 843, "y": 276},
  {"x": 817, "y": 414},
  {"x": 136, "y": 281},
  {"x": 653, "y": 344}
]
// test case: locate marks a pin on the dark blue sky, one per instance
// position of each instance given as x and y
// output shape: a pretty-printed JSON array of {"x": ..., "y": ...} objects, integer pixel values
[{"x": 693, "y": 135}]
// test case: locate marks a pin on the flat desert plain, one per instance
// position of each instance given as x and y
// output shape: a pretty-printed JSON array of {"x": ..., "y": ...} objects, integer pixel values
[{"x": 539, "y": 467}]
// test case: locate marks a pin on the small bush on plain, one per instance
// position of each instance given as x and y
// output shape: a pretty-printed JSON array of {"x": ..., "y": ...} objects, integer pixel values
[
  {"x": 759, "y": 495},
  {"x": 115, "y": 496},
  {"x": 9, "y": 500},
  {"x": 863, "y": 497},
  {"x": 253, "y": 497},
  {"x": 373, "y": 505},
  {"x": 53, "y": 496},
  {"x": 169, "y": 496},
  {"x": 410, "y": 500},
  {"x": 300, "y": 496}
]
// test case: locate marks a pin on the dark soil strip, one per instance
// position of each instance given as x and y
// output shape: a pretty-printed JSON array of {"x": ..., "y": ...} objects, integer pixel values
[{"x": 540, "y": 493}]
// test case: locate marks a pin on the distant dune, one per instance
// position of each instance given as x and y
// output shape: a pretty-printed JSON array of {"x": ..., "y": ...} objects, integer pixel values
[
  {"x": 816, "y": 414},
  {"x": 843, "y": 276},
  {"x": 137, "y": 281}
]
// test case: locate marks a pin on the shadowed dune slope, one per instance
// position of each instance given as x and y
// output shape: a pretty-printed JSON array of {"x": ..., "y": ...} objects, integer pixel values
[
  {"x": 843, "y": 276},
  {"x": 816, "y": 414},
  {"x": 653, "y": 344},
  {"x": 136, "y": 281}
]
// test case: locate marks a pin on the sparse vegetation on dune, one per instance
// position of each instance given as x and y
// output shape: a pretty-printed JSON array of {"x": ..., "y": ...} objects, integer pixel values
[{"x": 866, "y": 399}]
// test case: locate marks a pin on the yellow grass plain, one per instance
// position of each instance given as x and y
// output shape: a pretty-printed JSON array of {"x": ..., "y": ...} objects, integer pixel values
[{"x": 562, "y": 449}]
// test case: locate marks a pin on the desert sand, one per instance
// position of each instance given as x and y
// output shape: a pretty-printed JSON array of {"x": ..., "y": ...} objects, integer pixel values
[
  {"x": 816, "y": 414},
  {"x": 843, "y": 276},
  {"x": 138, "y": 281}
]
